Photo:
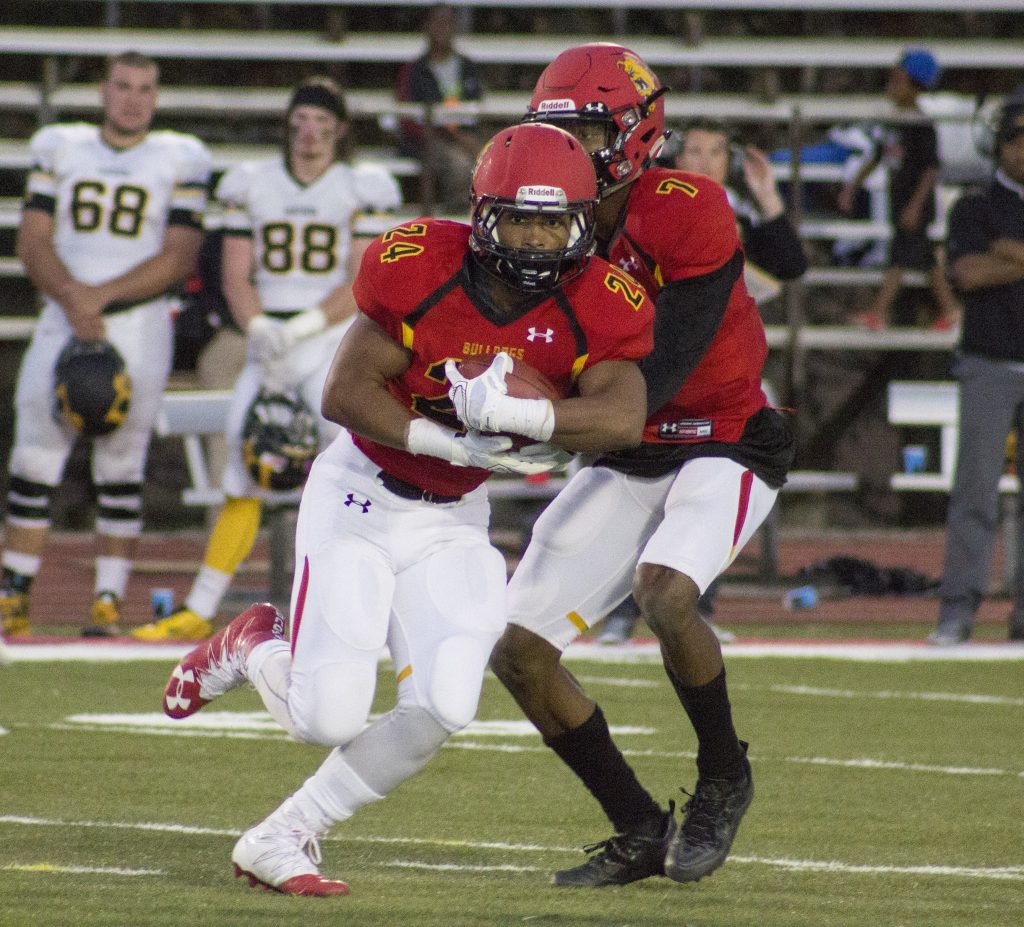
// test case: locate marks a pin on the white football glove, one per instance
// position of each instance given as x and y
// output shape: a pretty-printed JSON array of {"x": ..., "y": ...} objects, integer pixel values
[
  {"x": 271, "y": 338},
  {"x": 549, "y": 454},
  {"x": 275, "y": 376},
  {"x": 482, "y": 402},
  {"x": 265, "y": 338},
  {"x": 472, "y": 449}
]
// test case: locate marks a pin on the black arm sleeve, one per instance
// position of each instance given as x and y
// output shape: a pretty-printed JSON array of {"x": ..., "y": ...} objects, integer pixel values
[
  {"x": 687, "y": 314},
  {"x": 775, "y": 247}
]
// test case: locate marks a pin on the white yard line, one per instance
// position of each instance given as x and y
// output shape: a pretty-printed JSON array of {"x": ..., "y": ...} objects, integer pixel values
[
  {"x": 583, "y": 651},
  {"x": 965, "y": 697},
  {"x": 1014, "y": 873},
  {"x": 50, "y": 868},
  {"x": 255, "y": 725}
]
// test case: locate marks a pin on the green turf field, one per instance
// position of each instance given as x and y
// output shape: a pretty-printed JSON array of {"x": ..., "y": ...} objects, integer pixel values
[{"x": 887, "y": 794}]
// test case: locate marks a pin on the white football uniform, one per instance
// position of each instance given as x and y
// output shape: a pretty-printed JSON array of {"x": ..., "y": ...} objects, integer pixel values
[
  {"x": 302, "y": 237},
  {"x": 111, "y": 208},
  {"x": 586, "y": 545}
]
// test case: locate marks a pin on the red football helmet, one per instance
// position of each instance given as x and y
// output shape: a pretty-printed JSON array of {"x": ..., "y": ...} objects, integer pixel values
[
  {"x": 608, "y": 84},
  {"x": 533, "y": 169}
]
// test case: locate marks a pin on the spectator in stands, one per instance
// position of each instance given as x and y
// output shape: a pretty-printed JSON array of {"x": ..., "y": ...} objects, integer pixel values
[
  {"x": 288, "y": 262},
  {"x": 770, "y": 241},
  {"x": 444, "y": 77},
  {"x": 986, "y": 254},
  {"x": 910, "y": 150},
  {"x": 112, "y": 222},
  {"x": 773, "y": 253}
]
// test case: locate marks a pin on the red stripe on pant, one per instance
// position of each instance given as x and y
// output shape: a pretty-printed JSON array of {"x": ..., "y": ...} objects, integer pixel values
[
  {"x": 300, "y": 602},
  {"x": 743, "y": 505}
]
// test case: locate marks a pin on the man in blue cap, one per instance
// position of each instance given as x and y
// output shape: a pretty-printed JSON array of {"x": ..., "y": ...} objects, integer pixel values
[{"x": 910, "y": 151}]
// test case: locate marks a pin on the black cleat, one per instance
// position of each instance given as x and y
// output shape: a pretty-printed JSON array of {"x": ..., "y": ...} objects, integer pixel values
[
  {"x": 711, "y": 818},
  {"x": 621, "y": 859}
]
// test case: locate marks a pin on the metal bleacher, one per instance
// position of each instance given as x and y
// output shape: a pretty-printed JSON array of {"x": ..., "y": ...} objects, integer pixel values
[{"x": 50, "y": 73}]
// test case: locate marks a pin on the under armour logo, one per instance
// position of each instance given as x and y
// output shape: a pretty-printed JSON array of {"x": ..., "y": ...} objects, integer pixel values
[
  {"x": 628, "y": 264},
  {"x": 548, "y": 335},
  {"x": 178, "y": 702},
  {"x": 364, "y": 504}
]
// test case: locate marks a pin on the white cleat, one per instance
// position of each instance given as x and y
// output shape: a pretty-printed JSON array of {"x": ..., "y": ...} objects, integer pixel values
[{"x": 284, "y": 860}]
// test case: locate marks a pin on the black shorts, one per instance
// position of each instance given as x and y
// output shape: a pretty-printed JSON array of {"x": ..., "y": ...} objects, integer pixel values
[{"x": 912, "y": 250}]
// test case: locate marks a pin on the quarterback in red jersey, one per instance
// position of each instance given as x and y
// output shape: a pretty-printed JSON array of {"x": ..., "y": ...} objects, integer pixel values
[
  {"x": 392, "y": 541},
  {"x": 664, "y": 518}
]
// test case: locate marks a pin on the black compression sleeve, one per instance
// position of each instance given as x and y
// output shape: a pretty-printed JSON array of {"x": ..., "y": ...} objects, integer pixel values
[
  {"x": 775, "y": 247},
  {"x": 687, "y": 314}
]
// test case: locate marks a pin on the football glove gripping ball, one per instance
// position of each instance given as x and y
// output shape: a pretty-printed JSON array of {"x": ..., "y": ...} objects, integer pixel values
[
  {"x": 92, "y": 390},
  {"x": 279, "y": 440}
]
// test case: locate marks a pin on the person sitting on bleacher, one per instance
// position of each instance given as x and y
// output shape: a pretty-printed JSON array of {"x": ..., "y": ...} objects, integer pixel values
[
  {"x": 444, "y": 77},
  {"x": 288, "y": 262},
  {"x": 911, "y": 149}
]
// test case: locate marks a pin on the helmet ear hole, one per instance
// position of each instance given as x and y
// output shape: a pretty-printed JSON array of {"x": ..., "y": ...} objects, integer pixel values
[{"x": 280, "y": 439}]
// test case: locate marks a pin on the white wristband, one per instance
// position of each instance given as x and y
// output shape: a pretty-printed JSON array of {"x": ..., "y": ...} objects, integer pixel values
[
  {"x": 427, "y": 437},
  {"x": 307, "y": 323},
  {"x": 534, "y": 418}
]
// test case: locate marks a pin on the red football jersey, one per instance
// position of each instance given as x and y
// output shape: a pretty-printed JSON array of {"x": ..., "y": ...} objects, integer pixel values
[
  {"x": 680, "y": 225},
  {"x": 415, "y": 283}
]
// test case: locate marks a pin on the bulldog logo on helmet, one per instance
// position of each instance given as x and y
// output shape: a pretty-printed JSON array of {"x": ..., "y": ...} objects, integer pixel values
[{"x": 638, "y": 74}]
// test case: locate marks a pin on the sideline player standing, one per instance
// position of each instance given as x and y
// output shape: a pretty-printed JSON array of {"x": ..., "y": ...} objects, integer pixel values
[
  {"x": 392, "y": 532},
  {"x": 713, "y": 459},
  {"x": 986, "y": 261},
  {"x": 112, "y": 220},
  {"x": 289, "y": 259}
]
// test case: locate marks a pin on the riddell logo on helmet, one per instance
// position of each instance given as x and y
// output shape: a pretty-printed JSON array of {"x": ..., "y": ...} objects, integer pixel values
[
  {"x": 541, "y": 196},
  {"x": 556, "y": 106}
]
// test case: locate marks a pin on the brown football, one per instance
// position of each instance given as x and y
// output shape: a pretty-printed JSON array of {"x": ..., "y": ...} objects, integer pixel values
[{"x": 524, "y": 381}]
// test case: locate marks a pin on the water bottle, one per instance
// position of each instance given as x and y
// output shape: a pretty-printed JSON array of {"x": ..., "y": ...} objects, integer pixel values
[
  {"x": 801, "y": 597},
  {"x": 163, "y": 602}
]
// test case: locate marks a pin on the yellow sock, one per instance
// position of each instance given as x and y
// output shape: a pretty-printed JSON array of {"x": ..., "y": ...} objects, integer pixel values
[{"x": 233, "y": 535}]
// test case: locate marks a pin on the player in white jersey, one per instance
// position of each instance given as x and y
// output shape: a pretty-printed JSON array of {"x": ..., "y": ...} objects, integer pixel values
[
  {"x": 112, "y": 221},
  {"x": 289, "y": 258}
]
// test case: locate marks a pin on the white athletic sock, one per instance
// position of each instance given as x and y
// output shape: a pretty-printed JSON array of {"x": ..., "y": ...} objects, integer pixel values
[
  {"x": 112, "y": 575},
  {"x": 25, "y": 564},
  {"x": 208, "y": 590},
  {"x": 269, "y": 669},
  {"x": 333, "y": 793}
]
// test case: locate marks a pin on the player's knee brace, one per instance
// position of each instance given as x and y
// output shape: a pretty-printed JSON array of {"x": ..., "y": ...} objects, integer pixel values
[
  {"x": 119, "y": 509},
  {"x": 28, "y": 503}
]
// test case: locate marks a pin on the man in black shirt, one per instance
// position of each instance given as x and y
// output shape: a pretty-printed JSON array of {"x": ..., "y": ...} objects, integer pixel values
[
  {"x": 444, "y": 77},
  {"x": 986, "y": 254}
]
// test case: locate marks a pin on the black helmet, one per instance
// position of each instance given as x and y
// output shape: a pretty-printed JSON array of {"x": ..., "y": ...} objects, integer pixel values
[
  {"x": 92, "y": 390},
  {"x": 279, "y": 440}
]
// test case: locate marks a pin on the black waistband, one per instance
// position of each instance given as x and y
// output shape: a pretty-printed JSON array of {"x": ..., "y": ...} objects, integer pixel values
[
  {"x": 283, "y": 315},
  {"x": 115, "y": 308},
  {"x": 408, "y": 491}
]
